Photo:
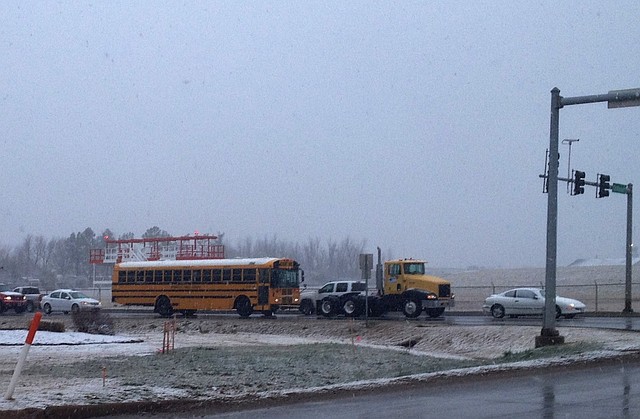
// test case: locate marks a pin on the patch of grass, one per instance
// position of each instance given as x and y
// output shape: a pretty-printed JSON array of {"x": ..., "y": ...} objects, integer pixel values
[
  {"x": 51, "y": 326},
  {"x": 566, "y": 349},
  {"x": 228, "y": 370}
]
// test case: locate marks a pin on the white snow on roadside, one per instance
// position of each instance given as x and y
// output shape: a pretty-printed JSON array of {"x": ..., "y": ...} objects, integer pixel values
[{"x": 17, "y": 337}]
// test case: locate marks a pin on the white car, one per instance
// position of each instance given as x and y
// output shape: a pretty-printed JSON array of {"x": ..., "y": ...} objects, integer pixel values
[
  {"x": 528, "y": 301},
  {"x": 333, "y": 298},
  {"x": 68, "y": 301}
]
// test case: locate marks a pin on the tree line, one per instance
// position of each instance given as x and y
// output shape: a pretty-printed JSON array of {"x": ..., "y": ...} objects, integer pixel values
[{"x": 64, "y": 262}]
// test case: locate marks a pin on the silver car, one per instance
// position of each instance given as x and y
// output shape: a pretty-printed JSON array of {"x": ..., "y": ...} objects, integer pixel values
[
  {"x": 67, "y": 300},
  {"x": 526, "y": 302}
]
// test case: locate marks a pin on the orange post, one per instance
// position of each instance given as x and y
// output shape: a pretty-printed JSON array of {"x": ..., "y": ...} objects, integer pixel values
[{"x": 33, "y": 328}]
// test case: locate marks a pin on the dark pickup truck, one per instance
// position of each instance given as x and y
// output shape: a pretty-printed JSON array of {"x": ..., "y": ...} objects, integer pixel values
[{"x": 33, "y": 296}]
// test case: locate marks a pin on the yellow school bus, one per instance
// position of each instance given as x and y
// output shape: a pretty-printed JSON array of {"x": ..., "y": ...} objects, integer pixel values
[{"x": 246, "y": 285}]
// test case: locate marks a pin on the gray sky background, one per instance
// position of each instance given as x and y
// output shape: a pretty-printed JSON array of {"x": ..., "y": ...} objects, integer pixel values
[{"x": 419, "y": 127}]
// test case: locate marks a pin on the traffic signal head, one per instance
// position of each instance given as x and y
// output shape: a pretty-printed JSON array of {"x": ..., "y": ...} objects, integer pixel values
[
  {"x": 578, "y": 182},
  {"x": 603, "y": 185}
]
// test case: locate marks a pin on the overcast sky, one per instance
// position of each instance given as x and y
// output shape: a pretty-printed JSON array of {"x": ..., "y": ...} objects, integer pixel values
[{"x": 419, "y": 127}]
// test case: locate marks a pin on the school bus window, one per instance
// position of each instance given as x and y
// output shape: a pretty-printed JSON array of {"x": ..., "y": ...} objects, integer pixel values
[
  {"x": 131, "y": 276},
  {"x": 166, "y": 276},
  {"x": 226, "y": 275},
  {"x": 148, "y": 278},
  {"x": 177, "y": 276},
  {"x": 196, "y": 276},
  {"x": 186, "y": 276},
  {"x": 237, "y": 275},
  {"x": 216, "y": 275},
  {"x": 140, "y": 276},
  {"x": 249, "y": 275},
  {"x": 264, "y": 276},
  {"x": 122, "y": 276},
  {"x": 157, "y": 276},
  {"x": 206, "y": 275}
]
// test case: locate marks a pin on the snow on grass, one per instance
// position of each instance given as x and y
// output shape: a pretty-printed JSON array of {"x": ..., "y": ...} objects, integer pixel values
[{"x": 66, "y": 368}]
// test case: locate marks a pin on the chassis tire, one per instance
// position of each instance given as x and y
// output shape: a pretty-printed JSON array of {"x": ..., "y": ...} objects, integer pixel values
[
  {"x": 31, "y": 307},
  {"x": 376, "y": 308},
  {"x": 435, "y": 312},
  {"x": 329, "y": 306},
  {"x": 411, "y": 308},
  {"x": 558, "y": 312},
  {"x": 47, "y": 308},
  {"x": 351, "y": 307},
  {"x": 497, "y": 311}
]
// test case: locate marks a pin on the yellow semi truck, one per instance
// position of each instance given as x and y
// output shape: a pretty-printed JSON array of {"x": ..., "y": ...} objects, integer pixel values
[
  {"x": 402, "y": 285},
  {"x": 405, "y": 286}
]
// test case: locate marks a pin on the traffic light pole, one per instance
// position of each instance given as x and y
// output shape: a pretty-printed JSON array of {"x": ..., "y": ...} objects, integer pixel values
[
  {"x": 549, "y": 335},
  {"x": 621, "y": 98}
]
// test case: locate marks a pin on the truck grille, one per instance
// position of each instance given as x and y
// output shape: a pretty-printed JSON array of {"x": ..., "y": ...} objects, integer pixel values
[{"x": 444, "y": 291}]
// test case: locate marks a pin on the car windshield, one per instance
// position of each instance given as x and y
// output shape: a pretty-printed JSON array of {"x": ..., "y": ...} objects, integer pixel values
[{"x": 76, "y": 295}]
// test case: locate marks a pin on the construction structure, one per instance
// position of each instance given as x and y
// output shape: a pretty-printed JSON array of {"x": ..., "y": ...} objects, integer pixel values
[{"x": 157, "y": 248}]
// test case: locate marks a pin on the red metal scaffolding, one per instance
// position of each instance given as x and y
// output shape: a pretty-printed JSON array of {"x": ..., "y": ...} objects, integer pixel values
[{"x": 158, "y": 248}]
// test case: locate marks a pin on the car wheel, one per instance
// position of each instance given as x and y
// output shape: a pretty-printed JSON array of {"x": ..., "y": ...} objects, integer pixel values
[
  {"x": 558, "y": 312},
  {"x": 412, "y": 308},
  {"x": 30, "y": 307},
  {"x": 497, "y": 311},
  {"x": 75, "y": 308},
  {"x": 569, "y": 316},
  {"x": 329, "y": 306},
  {"x": 47, "y": 308},
  {"x": 351, "y": 307}
]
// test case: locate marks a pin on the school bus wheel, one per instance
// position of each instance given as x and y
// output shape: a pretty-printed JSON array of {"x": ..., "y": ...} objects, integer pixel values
[
  {"x": 243, "y": 306},
  {"x": 163, "y": 306}
]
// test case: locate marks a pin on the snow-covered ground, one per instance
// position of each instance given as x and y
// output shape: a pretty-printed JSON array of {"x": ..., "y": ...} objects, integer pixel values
[{"x": 49, "y": 377}]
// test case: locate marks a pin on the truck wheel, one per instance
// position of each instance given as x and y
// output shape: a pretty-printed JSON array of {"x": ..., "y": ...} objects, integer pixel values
[
  {"x": 412, "y": 308},
  {"x": 435, "y": 312},
  {"x": 376, "y": 308},
  {"x": 306, "y": 307},
  {"x": 329, "y": 306},
  {"x": 30, "y": 307},
  {"x": 351, "y": 307}
]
